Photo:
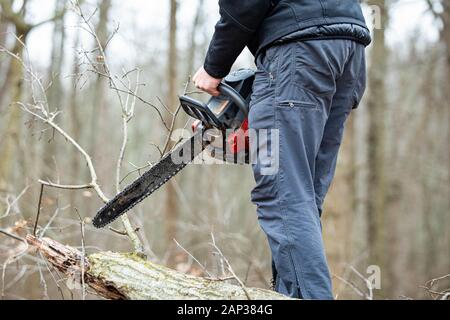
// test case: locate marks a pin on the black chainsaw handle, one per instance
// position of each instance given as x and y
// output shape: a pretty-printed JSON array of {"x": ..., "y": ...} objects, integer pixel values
[{"x": 228, "y": 91}]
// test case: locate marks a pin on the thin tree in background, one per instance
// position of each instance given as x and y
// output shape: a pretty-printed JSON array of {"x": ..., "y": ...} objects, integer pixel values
[
  {"x": 75, "y": 119},
  {"x": 193, "y": 47},
  {"x": 429, "y": 182},
  {"x": 13, "y": 88},
  {"x": 9, "y": 147},
  {"x": 3, "y": 37},
  {"x": 376, "y": 106},
  {"x": 443, "y": 14},
  {"x": 445, "y": 38},
  {"x": 172, "y": 100},
  {"x": 56, "y": 90},
  {"x": 99, "y": 100}
]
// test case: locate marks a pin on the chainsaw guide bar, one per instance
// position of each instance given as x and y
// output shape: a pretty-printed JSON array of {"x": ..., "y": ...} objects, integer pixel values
[{"x": 151, "y": 180}]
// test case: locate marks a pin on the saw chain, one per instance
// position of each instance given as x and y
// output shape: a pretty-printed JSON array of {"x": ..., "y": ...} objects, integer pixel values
[{"x": 151, "y": 180}]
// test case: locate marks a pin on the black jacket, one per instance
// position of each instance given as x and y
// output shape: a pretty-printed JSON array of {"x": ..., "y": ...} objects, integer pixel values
[{"x": 259, "y": 23}]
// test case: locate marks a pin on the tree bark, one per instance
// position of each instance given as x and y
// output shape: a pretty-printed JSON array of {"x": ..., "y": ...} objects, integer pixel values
[
  {"x": 99, "y": 101},
  {"x": 56, "y": 91},
  {"x": 74, "y": 113},
  {"x": 13, "y": 88},
  {"x": 445, "y": 36},
  {"x": 172, "y": 78},
  {"x": 193, "y": 43},
  {"x": 12, "y": 130},
  {"x": 377, "y": 183},
  {"x": 376, "y": 104},
  {"x": 126, "y": 276},
  {"x": 3, "y": 40}
]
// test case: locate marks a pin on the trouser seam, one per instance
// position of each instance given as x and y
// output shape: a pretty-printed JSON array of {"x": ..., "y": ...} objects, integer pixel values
[{"x": 298, "y": 273}]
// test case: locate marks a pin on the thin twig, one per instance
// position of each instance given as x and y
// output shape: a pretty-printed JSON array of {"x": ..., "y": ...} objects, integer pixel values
[
  {"x": 443, "y": 295},
  {"x": 66, "y": 187},
  {"x": 52, "y": 275},
  {"x": 83, "y": 255},
  {"x": 194, "y": 258},
  {"x": 366, "y": 281},
  {"x": 230, "y": 269},
  {"x": 172, "y": 124},
  {"x": 351, "y": 285},
  {"x": 50, "y": 221},
  {"x": 11, "y": 235},
  {"x": 41, "y": 193},
  {"x": 10, "y": 205}
]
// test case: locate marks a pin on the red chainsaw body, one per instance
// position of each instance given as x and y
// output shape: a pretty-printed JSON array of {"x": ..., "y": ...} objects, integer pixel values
[{"x": 237, "y": 142}]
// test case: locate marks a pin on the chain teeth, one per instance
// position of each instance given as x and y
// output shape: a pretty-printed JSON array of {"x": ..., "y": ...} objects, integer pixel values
[
  {"x": 101, "y": 221},
  {"x": 104, "y": 224}
]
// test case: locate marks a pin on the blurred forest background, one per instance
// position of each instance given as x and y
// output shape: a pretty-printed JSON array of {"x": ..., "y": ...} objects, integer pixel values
[{"x": 94, "y": 70}]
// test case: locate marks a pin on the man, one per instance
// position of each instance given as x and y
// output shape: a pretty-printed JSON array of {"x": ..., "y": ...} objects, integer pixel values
[{"x": 311, "y": 74}]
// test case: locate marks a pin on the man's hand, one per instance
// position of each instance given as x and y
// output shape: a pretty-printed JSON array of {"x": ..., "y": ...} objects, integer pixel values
[{"x": 205, "y": 82}]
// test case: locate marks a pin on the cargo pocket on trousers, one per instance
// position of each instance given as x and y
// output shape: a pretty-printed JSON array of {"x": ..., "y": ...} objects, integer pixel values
[{"x": 295, "y": 105}]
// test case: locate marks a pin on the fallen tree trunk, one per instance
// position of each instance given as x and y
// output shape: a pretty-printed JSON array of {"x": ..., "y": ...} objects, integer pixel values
[{"x": 127, "y": 276}]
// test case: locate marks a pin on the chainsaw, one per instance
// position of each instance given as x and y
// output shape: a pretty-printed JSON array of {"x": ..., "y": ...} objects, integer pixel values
[{"x": 220, "y": 128}]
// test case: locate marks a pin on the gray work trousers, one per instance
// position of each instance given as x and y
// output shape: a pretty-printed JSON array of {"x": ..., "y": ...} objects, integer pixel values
[{"x": 304, "y": 90}]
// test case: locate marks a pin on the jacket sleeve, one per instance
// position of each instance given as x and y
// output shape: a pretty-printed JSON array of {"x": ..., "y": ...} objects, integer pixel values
[{"x": 237, "y": 26}]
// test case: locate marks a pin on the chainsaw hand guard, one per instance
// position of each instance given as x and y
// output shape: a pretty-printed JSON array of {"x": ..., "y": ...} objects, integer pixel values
[
  {"x": 230, "y": 109},
  {"x": 228, "y": 113}
]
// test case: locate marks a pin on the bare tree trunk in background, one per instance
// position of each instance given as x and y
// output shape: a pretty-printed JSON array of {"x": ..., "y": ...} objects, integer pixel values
[
  {"x": 98, "y": 106},
  {"x": 55, "y": 91},
  {"x": 3, "y": 39},
  {"x": 12, "y": 129},
  {"x": 429, "y": 184},
  {"x": 11, "y": 142},
  {"x": 339, "y": 207},
  {"x": 3, "y": 30},
  {"x": 4, "y": 83},
  {"x": 171, "y": 206},
  {"x": 193, "y": 48},
  {"x": 193, "y": 43},
  {"x": 350, "y": 177},
  {"x": 13, "y": 86},
  {"x": 445, "y": 36},
  {"x": 377, "y": 182},
  {"x": 75, "y": 122}
]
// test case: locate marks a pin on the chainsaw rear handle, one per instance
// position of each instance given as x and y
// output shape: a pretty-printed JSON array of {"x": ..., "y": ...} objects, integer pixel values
[{"x": 228, "y": 91}]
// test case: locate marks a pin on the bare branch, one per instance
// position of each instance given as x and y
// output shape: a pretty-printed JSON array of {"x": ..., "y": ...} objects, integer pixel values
[
  {"x": 194, "y": 258},
  {"x": 435, "y": 293},
  {"x": 66, "y": 187},
  {"x": 230, "y": 269},
  {"x": 41, "y": 193},
  {"x": 13, "y": 236},
  {"x": 10, "y": 205}
]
